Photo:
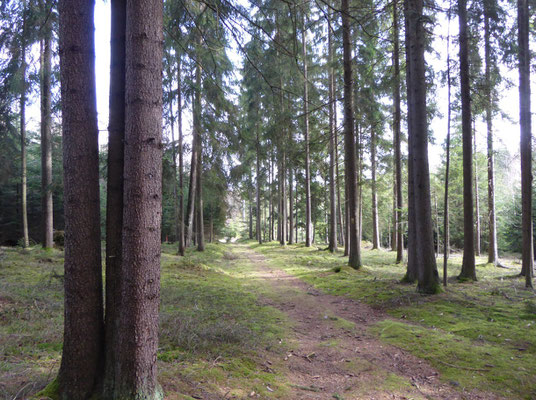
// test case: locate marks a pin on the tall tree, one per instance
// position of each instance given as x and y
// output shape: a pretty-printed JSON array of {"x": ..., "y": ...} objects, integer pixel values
[
  {"x": 308, "y": 223},
  {"x": 83, "y": 325},
  {"x": 114, "y": 189},
  {"x": 136, "y": 376},
  {"x": 349, "y": 141},
  {"x": 468, "y": 264},
  {"x": 397, "y": 140},
  {"x": 46, "y": 126},
  {"x": 526, "y": 140},
  {"x": 181, "y": 162},
  {"x": 23, "y": 155},
  {"x": 332, "y": 146},
  {"x": 424, "y": 254},
  {"x": 374, "y": 191},
  {"x": 493, "y": 256}
]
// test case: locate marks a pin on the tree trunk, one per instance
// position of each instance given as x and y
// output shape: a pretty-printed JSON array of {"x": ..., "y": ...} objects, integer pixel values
[
  {"x": 138, "y": 325},
  {"x": 526, "y": 139},
  {"x": 468, "y": 265},
  {"x": 477, "y": 202},
  {"x": 349, "y": 141},
  {"x": 181, "y": 162},
  {"x": 46, "y": 131},
  {"x": 82, "y": 357},
  {"x": 200, "y": 227},
  {"x": 290, "y": 207},
  {"x": 418, "y": 148},
  {"x": 446, "y": 227},
  {"x": 492, "y": 221},
  {"x": 308, "y": 238},
  {"x": 24, "y": 186},
  {"x": 192, "y": 189},
  {"x": 258, "y": 189},
  {"x": 396, "y": 130},
  {"x": 114, "y": 190},
  {"x": 375, "y": 225},
  {"x": 332, "y": 237}
]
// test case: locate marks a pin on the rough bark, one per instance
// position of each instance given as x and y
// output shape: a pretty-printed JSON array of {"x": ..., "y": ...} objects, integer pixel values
[
  {"x": 349, "y": 141},
  {"x": 46, "y": 130},
  {"x": 83, "y": 336},
  {"x": 136, "y": 373},
  {"x": 493, "y": 256},
  {"x": 200, "y": 227},
  {"x": 418, "y": 149},
  {"x": 526, "y": 138},
  {"x": 468, "y": 264},
  {"x": 114, "y": 189}
]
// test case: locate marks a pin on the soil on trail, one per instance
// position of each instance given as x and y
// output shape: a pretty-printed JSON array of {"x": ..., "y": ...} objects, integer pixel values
[{"x": 334, "y": 356}]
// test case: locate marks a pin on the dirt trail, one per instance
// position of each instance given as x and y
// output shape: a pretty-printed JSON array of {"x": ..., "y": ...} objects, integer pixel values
[{"x": 334, "y": 356}]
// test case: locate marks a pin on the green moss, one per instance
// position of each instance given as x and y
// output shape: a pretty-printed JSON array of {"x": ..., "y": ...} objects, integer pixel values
[{"x": 51, "y": 391}]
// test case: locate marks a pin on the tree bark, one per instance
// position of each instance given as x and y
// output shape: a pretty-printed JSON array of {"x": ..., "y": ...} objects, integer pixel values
[
  {"x": 446, "y": 227},
  {"x": 136, "y": 376},
  {"x": 82, "y": 357},
  {"x": 493, "y": 256},
  {"x": 477, "y": 202},
  {"x": 46, "y": 130},
  {"x": 24, "y": 186},
  {"x": 526, "y": 140},
  {"x": 308, "y": 236},
  {"x": 396, "y": 130},
  {"x": 200, "y": 227},
  {"x": 375, "y": 225},
  {"x": 114, "y": 190},
  {"x": 181, "y": 161},
  {"x": 468, "y": 264},
  {"x": 332, "y": 237},
  {"x": 349, "y": 140},
  {"x": 418, "y": 149},
  {"x": 258, "y": 188}
]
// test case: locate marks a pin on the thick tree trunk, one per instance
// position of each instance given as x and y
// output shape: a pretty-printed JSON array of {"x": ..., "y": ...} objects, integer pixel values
[
  {"x": 138, "y": 326},
  {"x": 349, "y": 141},
  {"x": 396, "y": 131},
  {"x": 468, "y": 265},
  {"x": 114, "y": 190},
  {"x": 308, "y": 238},
  {"x": 526, "y": 139},
  {"x": 418, "y": 149},
  {"x": 493, "y": 256},
  {"x": 24, "y": 186},
  {"x": 82, "y": 357},
  {"x": 375, "y": 225},
  {"x": 46, "y": 131},
  {"x": 181, "y": 162}
]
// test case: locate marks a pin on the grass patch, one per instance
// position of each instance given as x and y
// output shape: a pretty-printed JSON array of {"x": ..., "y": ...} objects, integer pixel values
[
  {"x": 469, "y": 325},
  {"x": 214, "y": 330}
]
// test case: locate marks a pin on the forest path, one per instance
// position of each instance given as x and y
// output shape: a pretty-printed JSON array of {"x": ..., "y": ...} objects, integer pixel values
[{"x": 334, "y": 355}]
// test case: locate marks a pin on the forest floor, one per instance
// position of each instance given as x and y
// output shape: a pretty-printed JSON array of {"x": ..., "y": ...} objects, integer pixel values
[{"x": 248, "y": 321}]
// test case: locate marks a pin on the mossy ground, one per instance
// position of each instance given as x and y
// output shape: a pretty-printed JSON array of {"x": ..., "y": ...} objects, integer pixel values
[
  {"x": 214, "y": 331},
  {"x": 477, "y": 334}
]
